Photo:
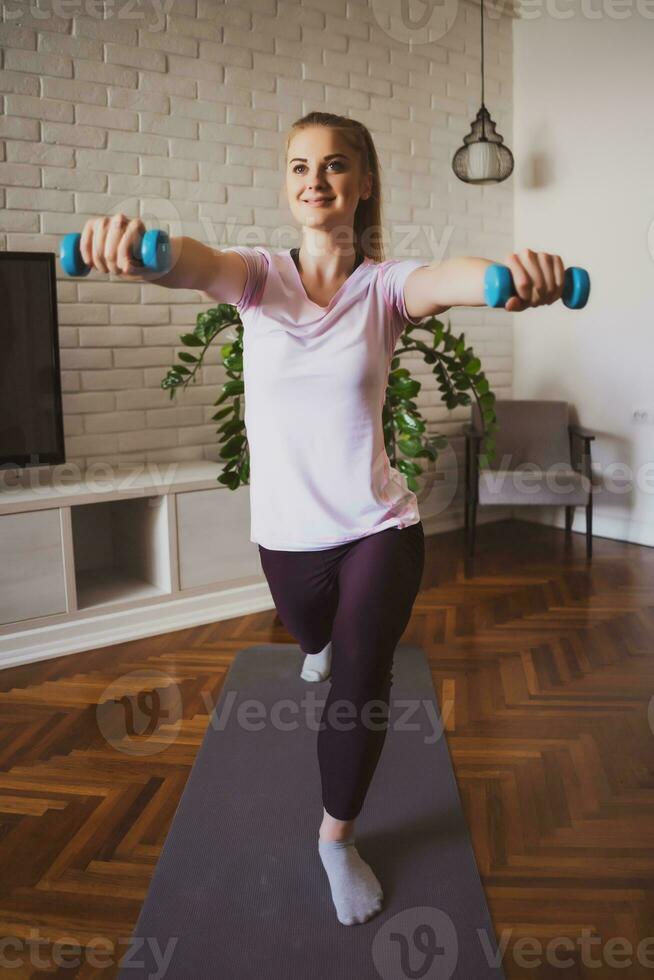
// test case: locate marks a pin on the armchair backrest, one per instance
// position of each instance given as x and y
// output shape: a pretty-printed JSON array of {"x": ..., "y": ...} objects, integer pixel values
[{"x": 528, "y": 431}]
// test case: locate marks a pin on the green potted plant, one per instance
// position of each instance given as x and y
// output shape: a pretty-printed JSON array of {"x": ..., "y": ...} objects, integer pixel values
[{"x": 455, "y": 366}]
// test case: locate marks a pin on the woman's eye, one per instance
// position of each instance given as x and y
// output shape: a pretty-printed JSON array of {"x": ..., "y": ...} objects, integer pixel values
[{"x": 333, "y": 163}]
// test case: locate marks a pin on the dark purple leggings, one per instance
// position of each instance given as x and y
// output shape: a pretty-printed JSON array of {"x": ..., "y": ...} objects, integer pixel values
[{"x": 359, "y": 595}]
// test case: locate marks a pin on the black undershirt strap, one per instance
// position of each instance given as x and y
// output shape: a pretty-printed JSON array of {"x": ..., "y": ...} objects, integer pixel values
[{"x": 295, "y": 253}]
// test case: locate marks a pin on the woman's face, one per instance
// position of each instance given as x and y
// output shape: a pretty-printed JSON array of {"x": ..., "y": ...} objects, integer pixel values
[{"x": 323, "y": 180}]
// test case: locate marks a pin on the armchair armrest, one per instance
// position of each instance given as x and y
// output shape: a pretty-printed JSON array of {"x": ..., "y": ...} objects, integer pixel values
[
  {"x": 582, "y": 464},
  {"x": 577, "y": 430}
]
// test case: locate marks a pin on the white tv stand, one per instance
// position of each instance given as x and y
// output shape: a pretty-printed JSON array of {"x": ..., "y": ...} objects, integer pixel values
[{"x": 115, "y": 554}]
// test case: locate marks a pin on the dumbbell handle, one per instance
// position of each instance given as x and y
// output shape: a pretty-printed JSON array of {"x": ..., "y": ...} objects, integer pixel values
[
  {"x": 499, "y": 286},
  {"x": 152, "y": 251}
]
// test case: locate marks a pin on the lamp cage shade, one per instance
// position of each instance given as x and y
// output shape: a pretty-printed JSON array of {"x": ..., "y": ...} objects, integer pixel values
[{"x": 483, "y": 159}]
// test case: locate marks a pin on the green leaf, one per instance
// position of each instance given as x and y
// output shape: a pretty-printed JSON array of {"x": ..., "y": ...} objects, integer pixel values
[
  {"x": 409, "y": 423},
  {"x": 406, "y": 387},
  {"x": 472, "y": 366},
  {"x": 234, "y": 425},
  {"x": 234, "y": 387},
  {"x": 231, "y": 479},
  {"x": 232, "y": 447},
  {"x": 408, "y": 468},
  {"x": 191, "y": 340},
  {"x": 410, "y": 445},
  {"x": 234, "y": 362}
]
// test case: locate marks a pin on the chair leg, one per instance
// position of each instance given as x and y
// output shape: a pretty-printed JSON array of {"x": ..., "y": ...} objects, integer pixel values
[
  {"x": 569, "y": 516},
  {"x": 589, "y": 528},
  {"x": 473, "y": 521},
  {"x": 469, "y": 539}
]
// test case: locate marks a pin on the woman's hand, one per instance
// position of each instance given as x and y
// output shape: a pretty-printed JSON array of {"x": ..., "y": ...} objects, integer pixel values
[
  {"x": 538, "y": 278},
  {"x": 106, "y": 245}
]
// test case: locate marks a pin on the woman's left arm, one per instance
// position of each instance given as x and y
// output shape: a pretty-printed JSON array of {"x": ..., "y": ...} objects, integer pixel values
[{"x": 432, "y": 289}]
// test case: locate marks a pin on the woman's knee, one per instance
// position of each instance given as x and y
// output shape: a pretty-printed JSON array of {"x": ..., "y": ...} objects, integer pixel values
[{"x": 368, "y": 679}]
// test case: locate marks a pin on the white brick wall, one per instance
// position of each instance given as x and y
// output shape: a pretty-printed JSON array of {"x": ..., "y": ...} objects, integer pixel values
[{"x": 182, "y": 117}]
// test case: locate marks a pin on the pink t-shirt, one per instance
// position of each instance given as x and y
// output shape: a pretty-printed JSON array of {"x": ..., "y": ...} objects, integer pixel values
[{"x": 315, "y": 382}]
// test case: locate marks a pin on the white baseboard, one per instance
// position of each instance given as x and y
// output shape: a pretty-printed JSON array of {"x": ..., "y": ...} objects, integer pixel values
[
  {"x": 27, "y": 646},
  {"x": 615, "y": 528}
]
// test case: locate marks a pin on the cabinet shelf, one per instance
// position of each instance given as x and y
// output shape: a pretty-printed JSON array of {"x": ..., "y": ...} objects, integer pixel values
[
  {"x": 82, "y": 557},
  {"x": 108, "y": 586},
  {"x": 121, "y": 550}
]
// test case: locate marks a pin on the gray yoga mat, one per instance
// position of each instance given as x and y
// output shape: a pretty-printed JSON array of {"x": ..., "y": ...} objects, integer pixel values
[{"x": 239, "y": 892}]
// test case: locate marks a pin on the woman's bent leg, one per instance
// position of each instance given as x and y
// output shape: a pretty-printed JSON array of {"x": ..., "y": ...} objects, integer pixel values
[{"x": 305, "y": 592}]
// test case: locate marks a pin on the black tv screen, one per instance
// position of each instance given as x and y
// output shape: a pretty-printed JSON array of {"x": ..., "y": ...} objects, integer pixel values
[{"x": 31, "y": 418}]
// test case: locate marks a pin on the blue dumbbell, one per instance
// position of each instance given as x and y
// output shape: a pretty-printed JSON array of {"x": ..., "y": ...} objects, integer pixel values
[
  {"x": 499, "y": 287},
  {"x": 151, "y": 251}
]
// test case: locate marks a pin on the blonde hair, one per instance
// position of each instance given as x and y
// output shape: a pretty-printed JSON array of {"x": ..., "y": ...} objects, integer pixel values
[{"x": 367, "y": 217}]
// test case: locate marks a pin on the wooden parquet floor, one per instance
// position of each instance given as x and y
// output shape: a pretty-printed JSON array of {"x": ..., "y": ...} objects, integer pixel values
[{"x": 544, "y": 668}]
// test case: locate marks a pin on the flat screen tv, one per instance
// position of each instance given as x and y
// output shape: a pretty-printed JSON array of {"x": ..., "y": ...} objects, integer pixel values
[{"x": 31, "y": 417}]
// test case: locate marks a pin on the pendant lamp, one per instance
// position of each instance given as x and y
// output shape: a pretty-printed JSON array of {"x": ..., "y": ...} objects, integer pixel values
[{"x": 483, "y": 159}]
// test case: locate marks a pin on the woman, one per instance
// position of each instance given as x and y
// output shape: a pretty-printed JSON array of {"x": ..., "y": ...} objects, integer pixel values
[{"x": 339, "y": 534}]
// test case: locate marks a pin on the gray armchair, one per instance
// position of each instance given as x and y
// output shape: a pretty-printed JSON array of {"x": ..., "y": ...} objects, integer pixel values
[{"x": 540, "y": 458}]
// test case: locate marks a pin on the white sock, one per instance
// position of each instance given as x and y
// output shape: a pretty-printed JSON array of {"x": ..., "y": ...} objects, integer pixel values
[
  {"x": 317, "y": 666},
  {"x": 356, "y": 892}
]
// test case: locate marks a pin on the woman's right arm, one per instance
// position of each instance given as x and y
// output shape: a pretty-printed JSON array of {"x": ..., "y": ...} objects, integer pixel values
[{"x": 106, "y": 245}]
